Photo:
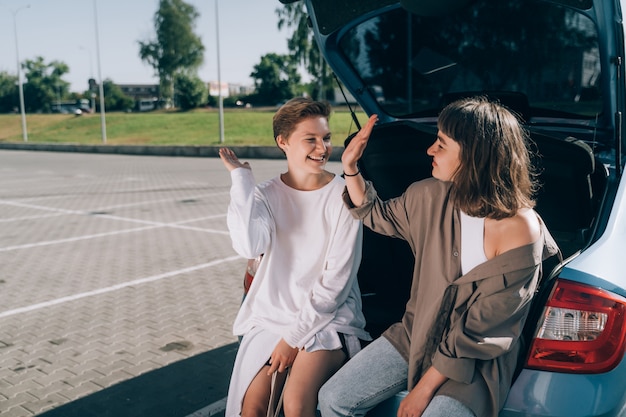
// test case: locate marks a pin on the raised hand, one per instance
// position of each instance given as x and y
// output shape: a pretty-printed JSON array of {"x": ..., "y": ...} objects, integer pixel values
[
  {"x": 231, "y": 161},
  {"x": 355, "y": 148},
  {"x": 351, "y": 155}
]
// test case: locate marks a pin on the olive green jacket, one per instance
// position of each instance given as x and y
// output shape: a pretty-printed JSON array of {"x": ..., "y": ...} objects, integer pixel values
[{"x": 466, "y": 326}]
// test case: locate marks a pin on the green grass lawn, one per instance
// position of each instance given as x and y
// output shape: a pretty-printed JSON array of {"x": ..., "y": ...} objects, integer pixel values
[{"x": 199, "y": 127}]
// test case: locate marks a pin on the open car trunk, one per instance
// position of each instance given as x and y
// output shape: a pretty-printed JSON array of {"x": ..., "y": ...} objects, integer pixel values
[{"x": 540, "y": 59}]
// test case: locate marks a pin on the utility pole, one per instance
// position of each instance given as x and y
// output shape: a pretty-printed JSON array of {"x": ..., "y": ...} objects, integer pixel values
[
  {"x": 19, "y": 75},
  {"x": 102, "y": 116},
  {"x": 220, "y": 99}
]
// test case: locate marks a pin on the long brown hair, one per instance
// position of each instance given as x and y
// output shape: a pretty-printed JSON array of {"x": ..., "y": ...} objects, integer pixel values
[{"x": 495, "y": 177}]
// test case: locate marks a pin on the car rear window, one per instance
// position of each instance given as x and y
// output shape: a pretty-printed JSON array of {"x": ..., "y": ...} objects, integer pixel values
[{"x": 542, "y": 57}]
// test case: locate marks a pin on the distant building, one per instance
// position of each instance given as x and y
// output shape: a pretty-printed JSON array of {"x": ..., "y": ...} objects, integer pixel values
[
  {"x": 240, "y": 90},
  {"x": 230, "y": 89},
  {"x": 146, "y": 96},
  {"x": 140, "y": 91},
  {"x": 215, "y": 89}
]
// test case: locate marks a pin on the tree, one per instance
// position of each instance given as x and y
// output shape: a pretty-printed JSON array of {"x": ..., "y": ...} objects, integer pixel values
[
  {"x": 176, "y": 47},
  {"x": 191, "y": 91},
  {"x": 114, "y": 98},
  {"x": 304, "y": 48},
  {"x": 276, "y": 78},
  {"x": 8, "y": 92},
  {"x": 44, "y": 85}
]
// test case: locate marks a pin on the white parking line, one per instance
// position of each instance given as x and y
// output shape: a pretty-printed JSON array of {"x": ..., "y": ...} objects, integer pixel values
[
  {"x": 137, "y": 203},
  {"x": 48, "y": 215},
  {"x": 152, "y": 225},
  {"x": 75, "y": 239},
  {"x": 37, "y": 207},
  {"x": 176, "y": 225},
  {"x": 39, "y": 216},
  {"x": 59, "y": 211},
  {"x": 104, "y": 290}
]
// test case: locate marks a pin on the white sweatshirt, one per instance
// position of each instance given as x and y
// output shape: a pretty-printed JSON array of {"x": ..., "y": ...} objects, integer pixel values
[{"x": 306, "y": 283}]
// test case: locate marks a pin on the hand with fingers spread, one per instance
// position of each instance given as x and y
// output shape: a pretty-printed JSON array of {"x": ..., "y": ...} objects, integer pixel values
[
  {"x": 355, "y": 148},
  {"x": 231, "y": 161},
  {"x": 282, "y": 357},
  {"x": 351, "y": 155}
]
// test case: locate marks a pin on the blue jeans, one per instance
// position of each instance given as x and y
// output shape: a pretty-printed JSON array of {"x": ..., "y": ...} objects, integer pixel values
[{"x": 373, "y": 375}]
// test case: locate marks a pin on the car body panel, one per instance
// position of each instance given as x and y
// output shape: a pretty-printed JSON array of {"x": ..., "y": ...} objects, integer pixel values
[
  {"x": 539, "y": 393},
  {"x": 601, "y": 258}
]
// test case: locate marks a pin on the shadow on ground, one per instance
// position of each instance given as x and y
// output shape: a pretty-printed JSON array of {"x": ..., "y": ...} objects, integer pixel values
[{"x": 176, "y": 390}]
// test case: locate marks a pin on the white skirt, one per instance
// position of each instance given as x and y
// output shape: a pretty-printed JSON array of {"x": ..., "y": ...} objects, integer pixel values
[{"x": 256, "y": 348}]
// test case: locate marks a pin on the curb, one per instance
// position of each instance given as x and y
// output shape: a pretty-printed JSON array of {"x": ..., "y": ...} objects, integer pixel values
[{"x": 250, "y": 152}]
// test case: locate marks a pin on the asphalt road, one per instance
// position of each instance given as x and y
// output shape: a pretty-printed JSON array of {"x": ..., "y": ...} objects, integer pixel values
[{"x": 118, "y": 284}]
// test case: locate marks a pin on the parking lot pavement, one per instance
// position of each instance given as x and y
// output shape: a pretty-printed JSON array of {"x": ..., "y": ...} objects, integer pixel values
[{"x": 118, "y": 284}]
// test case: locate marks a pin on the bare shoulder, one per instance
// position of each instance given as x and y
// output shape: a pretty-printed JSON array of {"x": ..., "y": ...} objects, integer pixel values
[{"x": 513, "y": 232}]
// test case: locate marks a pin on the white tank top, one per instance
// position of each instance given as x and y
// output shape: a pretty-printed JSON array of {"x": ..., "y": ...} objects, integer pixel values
[{"x": 472, "y": 242}]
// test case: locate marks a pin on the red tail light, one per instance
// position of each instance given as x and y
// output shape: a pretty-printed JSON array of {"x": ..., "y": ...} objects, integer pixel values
[{"x": 582, "y": 330}]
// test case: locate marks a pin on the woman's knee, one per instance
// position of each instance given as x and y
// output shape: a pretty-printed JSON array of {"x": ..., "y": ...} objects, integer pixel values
[{"x": 295, "y": 408}]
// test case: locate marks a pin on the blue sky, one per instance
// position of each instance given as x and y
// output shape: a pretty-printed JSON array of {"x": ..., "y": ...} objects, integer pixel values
[{"x": 64, "y": 30}]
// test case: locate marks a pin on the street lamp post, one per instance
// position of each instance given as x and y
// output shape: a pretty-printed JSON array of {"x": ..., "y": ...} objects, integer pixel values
[
  {"x": 219, "y": 78},
  {"x": 19, "y": 75},
  {"x": 102, "y": 116}
]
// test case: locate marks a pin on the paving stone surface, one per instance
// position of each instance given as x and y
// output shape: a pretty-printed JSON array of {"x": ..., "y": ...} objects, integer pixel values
[{"x": 117, "y": 280}]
